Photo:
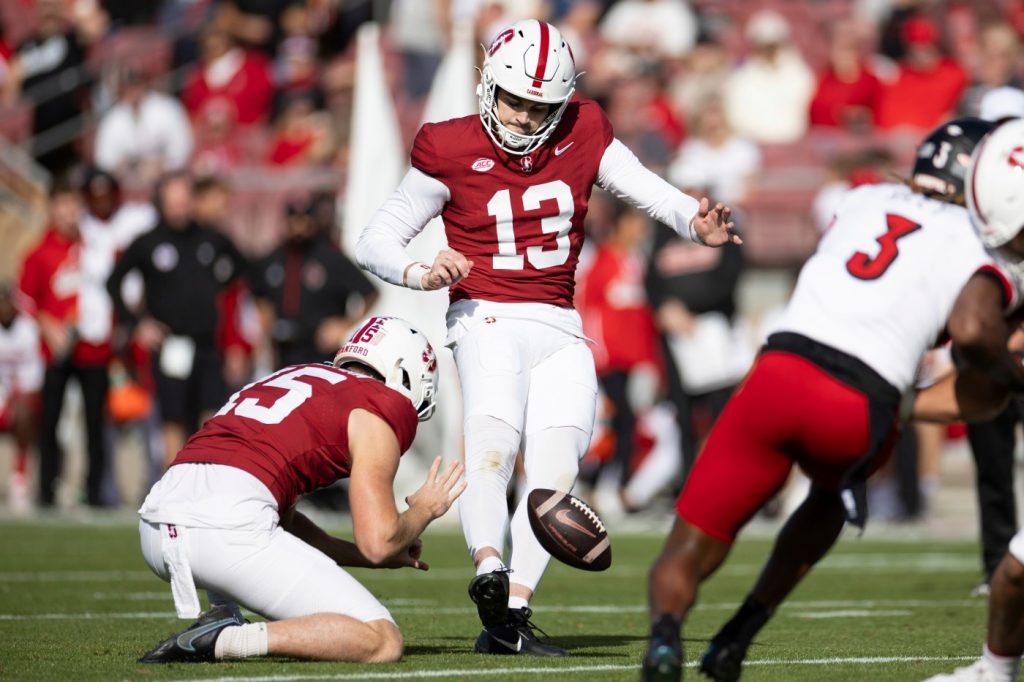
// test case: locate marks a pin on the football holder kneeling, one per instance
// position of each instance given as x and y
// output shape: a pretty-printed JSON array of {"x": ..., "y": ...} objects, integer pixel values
[{"x": 569, "y": 529}]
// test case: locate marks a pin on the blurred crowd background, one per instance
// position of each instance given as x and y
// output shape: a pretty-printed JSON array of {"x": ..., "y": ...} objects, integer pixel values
[{"x": 237, "y": 121}]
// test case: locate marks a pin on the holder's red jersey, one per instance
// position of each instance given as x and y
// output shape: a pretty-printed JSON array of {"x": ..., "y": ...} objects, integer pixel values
[
  {"x": 290, "y": 430},
  {"x": 518, "y": 218}
]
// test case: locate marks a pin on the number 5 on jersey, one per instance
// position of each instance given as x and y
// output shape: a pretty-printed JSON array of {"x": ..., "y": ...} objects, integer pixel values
[{"x": 863, "y": 266}]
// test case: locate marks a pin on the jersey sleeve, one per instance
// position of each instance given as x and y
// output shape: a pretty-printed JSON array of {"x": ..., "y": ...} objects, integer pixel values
[
  {"x": 424, "y": 154},
  {"x": 397, "y": 412}
]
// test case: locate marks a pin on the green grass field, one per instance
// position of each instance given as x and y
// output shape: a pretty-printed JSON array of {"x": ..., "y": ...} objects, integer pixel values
[{"x": 78, "y": 603}]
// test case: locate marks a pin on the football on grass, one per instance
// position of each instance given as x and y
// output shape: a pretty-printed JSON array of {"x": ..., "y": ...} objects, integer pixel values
[{"x": 569, "y": 529}]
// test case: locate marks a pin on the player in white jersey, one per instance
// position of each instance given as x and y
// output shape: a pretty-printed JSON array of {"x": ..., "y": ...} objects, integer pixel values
[
  {"x": 824, "y": 394},
  {"x": 21, "y": 378},
  {"x": 995, "y": 188}
]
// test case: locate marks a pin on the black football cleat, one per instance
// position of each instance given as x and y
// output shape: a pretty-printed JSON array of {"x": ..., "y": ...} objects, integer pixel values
[
  {"x": 515, "y": 637},
  {"x": 489, "y": 591},
  {"x": 723, "y": 660},
  {"x": 195, "y": 643},
  {"x": 663, "y": 661}
]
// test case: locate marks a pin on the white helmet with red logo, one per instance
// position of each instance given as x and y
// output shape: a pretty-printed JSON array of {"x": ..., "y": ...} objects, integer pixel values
[
  {"x": 400, "y": 354},
  {"x": 531, "y": 61},
  {"x": 995, "y": 185}
]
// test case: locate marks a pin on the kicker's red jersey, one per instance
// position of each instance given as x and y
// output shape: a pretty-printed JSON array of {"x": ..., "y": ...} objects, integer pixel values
[
  {"x": 518, "y": 218},
  {"x": 290, "y": 430}
]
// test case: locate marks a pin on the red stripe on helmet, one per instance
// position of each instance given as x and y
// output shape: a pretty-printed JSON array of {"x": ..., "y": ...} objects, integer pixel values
[{"x": 542, "y": 61}]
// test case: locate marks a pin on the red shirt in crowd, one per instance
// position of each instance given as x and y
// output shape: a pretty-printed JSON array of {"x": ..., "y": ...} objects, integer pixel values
[
  {"x": 248, "y": 91},
  {"x": 615, "y": 311},
  {"x": 921, "y": 99},
  {"x": 837, "y": 101},
  {"x": 49, "y": 285}
]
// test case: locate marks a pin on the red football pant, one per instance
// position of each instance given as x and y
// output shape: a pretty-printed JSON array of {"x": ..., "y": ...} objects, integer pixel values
[{"x": 788, "y": 411}]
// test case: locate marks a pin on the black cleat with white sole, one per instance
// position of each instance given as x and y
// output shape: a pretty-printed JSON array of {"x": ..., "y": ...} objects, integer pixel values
[
  {"x": 489, "y": 591},
  {"x": 515, "y": 637},
  {"x": 195, "y": 644}
]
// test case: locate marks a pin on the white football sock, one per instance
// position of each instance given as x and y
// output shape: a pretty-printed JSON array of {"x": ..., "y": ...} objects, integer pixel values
[
  {"x": 489, "y": 565},
  {"x": 1005, "y": 667},
  {"x": 552, "y": 460},
  {"x": 491, "y": 447},
  {"x": 517, "y": 603},
  {"x": 241, "y": 641}
]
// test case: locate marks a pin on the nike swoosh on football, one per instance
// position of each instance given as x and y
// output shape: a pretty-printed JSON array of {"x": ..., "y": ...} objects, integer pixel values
[
  {"x": 563, "y": 516},
  {"x": 193, "y": 635},
  {"x": 560, "y": 150}
]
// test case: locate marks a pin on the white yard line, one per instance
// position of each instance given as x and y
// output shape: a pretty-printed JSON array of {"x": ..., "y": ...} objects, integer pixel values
[
  {"x": 495, "y": 672},
  {"x": 854, "y": 608}
]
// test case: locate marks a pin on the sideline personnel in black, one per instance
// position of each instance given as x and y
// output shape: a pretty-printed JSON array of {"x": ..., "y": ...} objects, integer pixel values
[
  {"x": 184, "y": 266},
  {"x": 308, "y": 292}
]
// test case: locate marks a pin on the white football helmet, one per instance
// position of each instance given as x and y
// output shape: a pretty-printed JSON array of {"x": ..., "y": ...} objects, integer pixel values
[
  {"x": 400, "y": 354},
  {"x": 995, "y": 185},
  {"x": 531, "y": 61}
]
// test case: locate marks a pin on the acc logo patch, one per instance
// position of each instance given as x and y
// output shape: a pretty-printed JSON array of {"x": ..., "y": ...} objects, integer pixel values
[{"x": 483, "y": 165}]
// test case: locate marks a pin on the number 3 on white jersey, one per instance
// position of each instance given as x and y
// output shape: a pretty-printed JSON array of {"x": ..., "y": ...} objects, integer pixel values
[
  {"x": 298, "y": 392},
  {"x": 500, "y": 206}
]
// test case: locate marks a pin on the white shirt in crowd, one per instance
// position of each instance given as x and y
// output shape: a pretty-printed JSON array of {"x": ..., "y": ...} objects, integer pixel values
[{"x": 158, "y": 129}]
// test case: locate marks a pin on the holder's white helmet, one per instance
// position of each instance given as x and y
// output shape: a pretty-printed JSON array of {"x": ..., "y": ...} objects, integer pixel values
[
  {"x": 995, "y": 185},
  {"x": 531, "y": 61},
  {"x": 400, "y": 354}
]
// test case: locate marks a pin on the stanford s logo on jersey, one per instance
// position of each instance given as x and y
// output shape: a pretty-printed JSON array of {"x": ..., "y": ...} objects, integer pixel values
[
  {"x": 482, "y": 165},
  {"x": 527, "y": 163}
]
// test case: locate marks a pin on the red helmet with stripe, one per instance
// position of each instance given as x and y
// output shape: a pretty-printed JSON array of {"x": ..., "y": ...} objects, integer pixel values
[{"x": 531, "y": 61}]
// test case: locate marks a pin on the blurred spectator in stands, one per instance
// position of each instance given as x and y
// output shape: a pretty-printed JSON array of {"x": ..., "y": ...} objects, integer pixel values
[
  {"x": 334, "y": 24},
  {"x": 707, "y": 68},
  {"x": 217, "y": 151},
  {"x": 1000, "y": 104},
  {"x": 998, "y": 64},
  {"x": 420, "y": 32},
  {"x": 21, "y": 378},
  {"x": 927, "y": 84},
  {"x": 10, "y": 71},
  {"x": 693, "y": 294},
  {"x": 73, "y": 342},
  {"x": 848, "y": 90},
  {"x": 229, "y": 73},
  {"x": 130, "y": 12},
  {"x": 653, "y": 29},
  {"x": 307, "y": 291},
  {"x": 579, "y": 28},
  {"x": 145, "y": 134},
  {"x": 56, "y": 81},
  {"x": 767, "y": 97},
  {"x": 642, "y": 117},
  {"x": 302, "y": 135},
  {"x": 184, "y": 20},
  {"x": 255, "y": 23},
  {"x": 846, "y": 171},
  {"x": 714, "y": 157},
  {"x": 616, "y": 314},
  {"x": 295, "y": 67},
  {"x": 184, "y": 266}
]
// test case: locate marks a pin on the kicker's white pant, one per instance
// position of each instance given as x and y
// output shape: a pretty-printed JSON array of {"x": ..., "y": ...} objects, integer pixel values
[
  {"x": 527, "y": 386},
  {"x": 263, "y": 567}
]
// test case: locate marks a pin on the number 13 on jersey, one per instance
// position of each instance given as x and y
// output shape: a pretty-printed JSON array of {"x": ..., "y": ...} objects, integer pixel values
[{"x": 500, "y": 207}]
